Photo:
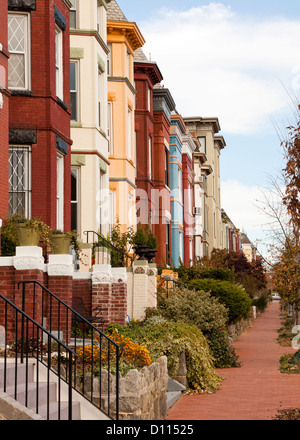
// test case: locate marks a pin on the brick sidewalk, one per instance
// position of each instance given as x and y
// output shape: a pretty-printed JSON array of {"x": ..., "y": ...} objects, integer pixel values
[{"x": 257, "y": 390}]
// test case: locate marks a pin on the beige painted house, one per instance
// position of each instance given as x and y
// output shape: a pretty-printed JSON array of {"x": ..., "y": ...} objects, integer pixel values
[
  {"x": 124, "y": 38},
  {"x": 206, "y": 130},
  {"x": 89, "y": 122}
]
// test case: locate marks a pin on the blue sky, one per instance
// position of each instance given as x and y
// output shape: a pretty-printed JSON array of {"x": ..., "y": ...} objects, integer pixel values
[{"x": 239, "y": 61}]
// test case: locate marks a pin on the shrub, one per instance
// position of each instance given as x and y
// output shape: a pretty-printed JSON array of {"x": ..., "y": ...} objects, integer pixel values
[
  {"x": 197, "y": 308},
  {"x": 261, "y": 302},
  {"x": 132, "y": 353},
  {"x": 217, "y": 274},
  {"x": 234, "y": 298},
  {"x": 171, "y": 339},
  {"x": 223, "y": 353}
]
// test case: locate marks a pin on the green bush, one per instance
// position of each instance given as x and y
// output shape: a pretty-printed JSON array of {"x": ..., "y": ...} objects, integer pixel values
[
  {"x": 167, "y": 338},
  {"x": 261, "y": 302},
  {"x": 234, "y": 298},
  {"x": 223, "y": 353},
  {"x": 193, "y": 307},
  {"x": 217, "y": 274}
]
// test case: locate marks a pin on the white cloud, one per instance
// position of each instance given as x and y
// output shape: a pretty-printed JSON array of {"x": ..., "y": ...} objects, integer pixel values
[
  {"x": 240, "y": 203},
  {"x": 218, "y": 63}
]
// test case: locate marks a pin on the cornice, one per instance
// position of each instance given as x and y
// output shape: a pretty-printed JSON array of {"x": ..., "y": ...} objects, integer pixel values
[
  {"x": 91, "y": 33},
  {"x": 130, "y": 30}
]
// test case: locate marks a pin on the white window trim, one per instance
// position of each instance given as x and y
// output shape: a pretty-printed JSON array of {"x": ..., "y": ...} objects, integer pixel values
[
  {"x": 129, "y": 133},
  {"x": 110, "y": 127},
  {"x": 109, "y": 60},
  {"x": 27, "y": 52},
  {"x": 150, "y": 156},
  {"x": 28, "y": 183},
  {"x": 59, "y": 62},
  {"x": 77, "y": 201},
  {"x": 60, "y": 192},
  {"x": 76, "y": 62},
  {"x": 100, "y": 100}
]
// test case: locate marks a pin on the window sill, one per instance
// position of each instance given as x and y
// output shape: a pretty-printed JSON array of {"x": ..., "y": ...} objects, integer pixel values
[{"x": 15, "y": 92}]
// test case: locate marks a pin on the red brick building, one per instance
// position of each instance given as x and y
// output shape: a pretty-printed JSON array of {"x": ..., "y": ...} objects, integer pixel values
[
  {"x": 4, "y": 101},
  {"x": 146, "y": 76},
  {"x": 39, "y": 110}
]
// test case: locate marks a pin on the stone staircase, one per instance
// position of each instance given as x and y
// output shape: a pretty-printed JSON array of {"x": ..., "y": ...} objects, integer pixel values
[
  {"x": 82, "y": 409},
  {"x": 32, "y": 392}
]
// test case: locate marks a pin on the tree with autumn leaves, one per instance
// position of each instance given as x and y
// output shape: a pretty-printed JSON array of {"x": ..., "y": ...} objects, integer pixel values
[{"x": 286, "y": 271}]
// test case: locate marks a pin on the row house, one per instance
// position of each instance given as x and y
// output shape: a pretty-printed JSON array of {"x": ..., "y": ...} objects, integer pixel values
[
  {"x": 39, "y": 154},
  {"x": 248, "y": 248},
  {"x": 4, "y": 111},
  {"x": 206, "y": 130},
  {"x": 163, "y": 106},
  {"x": 123, "y": 38},
  {"x": 231, "y": 235},
  {"x": 90, "y": 124}
]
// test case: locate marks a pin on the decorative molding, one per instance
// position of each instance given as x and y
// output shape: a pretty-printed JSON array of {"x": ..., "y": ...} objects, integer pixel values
[
  {"x": 102, "y": 274},
  {"x": 119, "y": 275},
  {"x": 60, "y": 270},
  {"x": 28, "y": 263}
]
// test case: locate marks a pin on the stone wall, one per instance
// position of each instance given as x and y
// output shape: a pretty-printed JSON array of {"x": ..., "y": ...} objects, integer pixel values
[{"x": 143, "y": 394}]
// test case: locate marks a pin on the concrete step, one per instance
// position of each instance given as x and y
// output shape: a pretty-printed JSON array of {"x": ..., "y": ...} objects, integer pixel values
[
  {"x": 11, "y": 369},
  {"x": 64, "y": 411},
  {"x": 174, "y": 391},
  {"x": 172, "y": 397},
  {"x": 31, "y": 394}
]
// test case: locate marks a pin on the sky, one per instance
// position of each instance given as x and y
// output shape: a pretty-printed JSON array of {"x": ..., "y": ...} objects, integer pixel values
[{"x": 238, "y": 61}]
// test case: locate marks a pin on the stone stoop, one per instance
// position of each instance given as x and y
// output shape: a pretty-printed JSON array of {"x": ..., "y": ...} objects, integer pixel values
[
  {"x": 174, "y": 392},
  {"x": 9, "y": 396}
]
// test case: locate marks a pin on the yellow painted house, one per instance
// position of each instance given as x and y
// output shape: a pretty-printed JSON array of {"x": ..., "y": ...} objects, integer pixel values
[{"x": 123, "y": 38}]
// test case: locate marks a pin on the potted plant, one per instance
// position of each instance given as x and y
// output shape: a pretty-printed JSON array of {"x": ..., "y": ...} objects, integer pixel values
[
  {"x": 140, "y": 242},
  {"x": 61, "y": 242},
  {"x": 31, "y": 231},
  {"x": 152, "y": 244}
]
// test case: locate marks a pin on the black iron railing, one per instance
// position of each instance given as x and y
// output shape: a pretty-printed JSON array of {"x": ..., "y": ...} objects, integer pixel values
[
  {"x": 24, "y": 340},
  {"x": 96, "y": 354},
  {"x": 105, "y": 252}
]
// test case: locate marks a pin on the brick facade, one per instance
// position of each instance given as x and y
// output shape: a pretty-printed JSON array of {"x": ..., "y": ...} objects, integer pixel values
[
  {"x": 37, "y": 117},
  {"x": 4, "y": 99}
]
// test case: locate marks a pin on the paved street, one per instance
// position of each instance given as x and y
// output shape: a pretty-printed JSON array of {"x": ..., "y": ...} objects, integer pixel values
[{"x": 257, "y": 390}]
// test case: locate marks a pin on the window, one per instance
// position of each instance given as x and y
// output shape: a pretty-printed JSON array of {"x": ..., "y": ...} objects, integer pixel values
[
  {"x": 99, "y": 19},
  {"x": 149, "y": 99},
  {"x": 129, "y": 134},
  {"x": 202, "y": 140},
  {"x": 167, "y": 180},
  {"x": 100, "y": 97},
  {"x": 75, "y": 182},
  {"x": 59, "y": 62},
  {"x": 60, "y": 193},
  {"x": 101, "y": 201},
  {"x": 73, "y": 14},
  {"x": 128, "y": 64},
  {"x": 19, "y": 163},
  {"x": 168, "y": 228},
  {"x": 74, "y": 90},
  {"x": 109, "y": 127},
  {"x": 19, "y": 48},
  {"x": 179, "y": 185},
  {"x": 111, "y": 210},
  {"x": 109, "y": 60},
  {"x": 150, "y": 157},
  {"x": 181, "y": 245}
]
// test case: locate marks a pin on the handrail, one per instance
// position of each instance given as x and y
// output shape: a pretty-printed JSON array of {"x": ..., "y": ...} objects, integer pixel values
[
  {"x": 98, "y": 240},
  {"x": 107, "y": 349},
  {"x": 23, "y": 343}
]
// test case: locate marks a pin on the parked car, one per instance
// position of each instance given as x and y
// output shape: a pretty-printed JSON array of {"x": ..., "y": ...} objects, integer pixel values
[{"x": 275, "y": 296}]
